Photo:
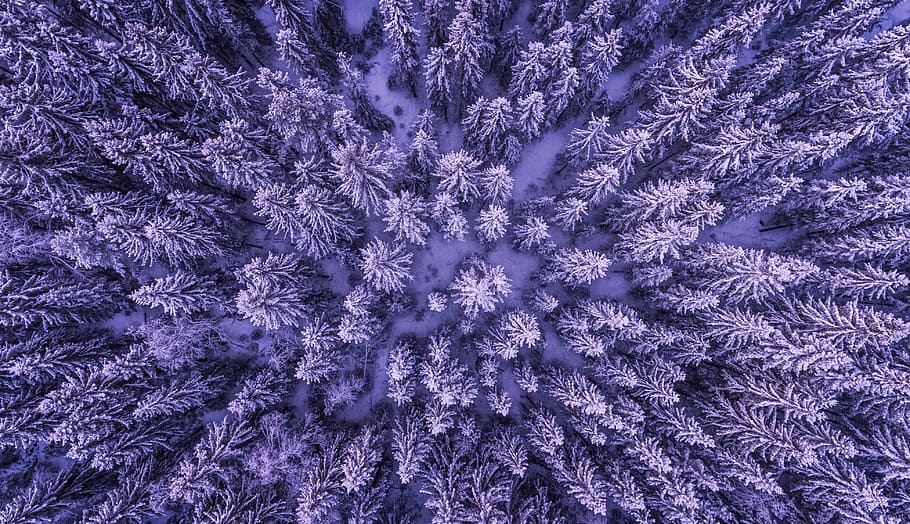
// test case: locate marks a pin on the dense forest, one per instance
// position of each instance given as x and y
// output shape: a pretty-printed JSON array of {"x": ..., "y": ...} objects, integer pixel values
[{"x": 468, "y": 261}]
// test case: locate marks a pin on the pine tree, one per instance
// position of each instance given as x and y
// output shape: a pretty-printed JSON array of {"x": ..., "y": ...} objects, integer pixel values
[
  {"x": 435, "y": 15},
  {"x": 741, "y": 275},
  {"x": 364, "y": 173},
  {"x": 530, "y": 115},
  {"x": 179, "y": 293},
  {"x": 296, "y": 52},
  {"x": 318, "y": 494},
  {"x": 582, "y": 480},
  {"x": 596, "y": 183},
  {"x": 586, "y": 142},
  {"x": 447, "y": 379},
  {"x": 491, "y": 223},
  {"x": 595, "y": 19},
  {"x": 549, "y": 16},
  {"x": 479, "y": 287},
  {"x": 260, "y": 392},
  {"x": 400, "y": 30},
  {"x": 576, "y": 267},
  {"x": 570, "y": 212},
  {"x": 657, "y": 241},
  {"x": 195, "y": 477},
  {"x": 129, "y": 501},
  {"x": 496, "y": 184},
  {"x": 682, "y": 200},
  {"x": 625, "y": 149},
  {"x": 436, "y": 76},
  {"x": 520, "y": 329},
  {"x": 360, "y": 461},
  {"x": 599, "y": 56},
  {"x": 867, "y": 281},
  {"x": 459, "y": 173},
  {"x": 319, "y": 358},
  {"x": 404, "y": 216},
  {"x": 239, "y": 154},
  {"x": 46, "y": 497},
  {"x": 423, "y": 150},
  {"x": 402, "y": 370},
  {"x": 532, "y": 233},
  {"x": 488, "y": 125},
  {"x": 685, "y": 101},
  {"x": 324, "y": 223},
  {"x": 275, "y": 291},
  {"x": 451, "y": 220},
  {"x": 561, "y": 94},
  {"x": 386, "y": 268},
  {"x": 545, "y": 433},
  {"x": 174, "y": 398},
  {"x": 529, "y": 74},
  {"x": 885, "y": 244},
  {"x": 410, "y": 446},
  {"x": 302, "y": 114},
  {"x": 51, "y": 298},
  {"x": 468, "y": 50}
]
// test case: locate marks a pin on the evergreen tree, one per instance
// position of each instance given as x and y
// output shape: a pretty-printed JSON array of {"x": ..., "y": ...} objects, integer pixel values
[
  {"x": 180, "y": 293},
  {"x": 360, "y": 461},
  {"x": 386, "y": 268},
  {"x": 549, "y": 16},
  {"x": 404, "y": 216},
  {"x": 576, "y": 267},
  {"x": 436, "y": 75},
  {"x": 410, "y": 446},
  {"x": 600, "y": 55},
  {"x": 488, "y": 125},
  {"x": 400, "y": 31},
  {"x": 423, "y": 150},
  {"x": 531, "y": 234},
  {"x": 364, "y": 173},
  {"x": 459, "y": 172},
  {"x": 51, "y": 298},
  {"x": 275, "y": 291},
  {"x": 530, "y": 115},
  {"x": 496, "y": 185},
  {"x": 491, "y": 223},
  {"x": 239, "y": 154},
  {"x": 479, "y": 287},
  {"x": 468, "y": 49}
]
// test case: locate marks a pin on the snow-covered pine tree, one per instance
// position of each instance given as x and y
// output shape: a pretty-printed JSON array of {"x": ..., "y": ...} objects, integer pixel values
[
  {"x": 491, "y": 223},
  {"x": 363, "y": 173},
  {"x": 479, "y": 287},
  {"x": 178, "y": 294},
  {"x": 459, "y": 174},
  {"x": 488, "y": 130},
  {"x": 387, "y": 268},
  {"x": 405, "y": 215},
  {"x": 468, "y": 48},
  {"x": 576, "y": 267},
  {"x": 403, "y": 36},
  {"x": 275, "y": 292}
]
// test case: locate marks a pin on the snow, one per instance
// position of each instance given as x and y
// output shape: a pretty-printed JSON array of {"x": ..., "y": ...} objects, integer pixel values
[
  {"x": 747, "y": 232},
  {"x": 532, "y": 173},
  {"x": 358, "y": 12},
  {"x": 387, "y": 101},
  {"x": 267, "y": 17},
  {"x": 895, "y": 16},
  {"x": 619, "y": 80},
  {"x": 615, "y": 286},
  {"x": 338, "y": 276},
  {"x": 519, "y": 267},
  {"x": 124, "y": 320}
]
